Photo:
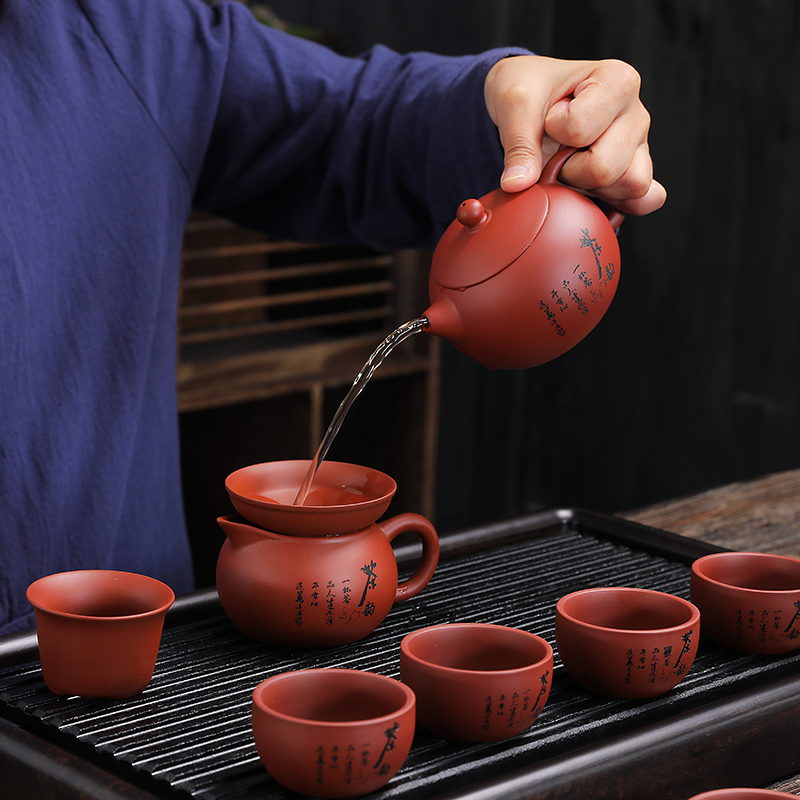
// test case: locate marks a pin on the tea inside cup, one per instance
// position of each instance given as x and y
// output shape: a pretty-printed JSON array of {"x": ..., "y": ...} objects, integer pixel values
[
  {"x": 343, "y": 497},
  {"x": 626, "y": 642},
  {"x": 333, "y": 732},
  {"x": 99, "y": 630},
  {"x": 749, "y": 602},
  {"x": 477, "y": 682}
]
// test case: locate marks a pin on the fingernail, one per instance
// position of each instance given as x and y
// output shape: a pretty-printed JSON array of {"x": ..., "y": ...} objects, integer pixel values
[{"x": 514, "y": 174}]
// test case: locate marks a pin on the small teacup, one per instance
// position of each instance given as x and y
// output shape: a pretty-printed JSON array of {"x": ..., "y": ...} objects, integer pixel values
[
  {"x": 99, "y": 630},
  {"x": 477, "y": 682},
  {"x": 333, "y": 732},
  {"x": 740, "y": 794},
  {"x": 626, "y": 642},
  {"x": 749, "y": 602}
]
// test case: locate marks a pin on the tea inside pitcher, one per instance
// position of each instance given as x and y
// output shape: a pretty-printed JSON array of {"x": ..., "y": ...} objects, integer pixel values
[
  {"x": 304, "y": 494},
  {"x": 321, "y": 496}
]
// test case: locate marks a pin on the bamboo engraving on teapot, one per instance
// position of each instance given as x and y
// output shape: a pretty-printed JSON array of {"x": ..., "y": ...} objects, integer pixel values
[
  {"x": 583, "y": 288},
  {"x": 328, "y": 594}
]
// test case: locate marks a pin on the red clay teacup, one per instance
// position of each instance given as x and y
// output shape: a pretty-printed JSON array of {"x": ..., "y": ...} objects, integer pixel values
[
  {"x": 333, "y": 732},
  {"x": 477, "y": 682},
  {"x": 740, "y": 794},
  {"x": 749, "y": 602},
  {"x": 626, "y": 642},
  {"x": 99, "y": 630}
]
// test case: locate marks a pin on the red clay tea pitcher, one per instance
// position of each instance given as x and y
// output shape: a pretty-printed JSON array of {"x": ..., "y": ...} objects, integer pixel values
[
  {"x": 518, "y": 279},
  {"x": 319, "y": 574}
]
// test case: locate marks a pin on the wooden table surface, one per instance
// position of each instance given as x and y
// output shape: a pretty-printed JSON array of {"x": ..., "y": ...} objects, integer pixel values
[{"x": 762, "y": 515}]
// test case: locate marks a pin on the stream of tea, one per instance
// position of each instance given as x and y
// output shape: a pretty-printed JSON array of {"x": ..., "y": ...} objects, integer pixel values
[{"x": 373, "y": 362}]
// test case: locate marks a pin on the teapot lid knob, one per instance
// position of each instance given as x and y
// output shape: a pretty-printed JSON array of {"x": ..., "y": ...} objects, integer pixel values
[{"x": 472, "y": 214}]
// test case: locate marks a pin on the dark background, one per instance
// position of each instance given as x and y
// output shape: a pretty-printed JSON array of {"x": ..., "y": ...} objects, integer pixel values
[{"x": 692, "y": 379}]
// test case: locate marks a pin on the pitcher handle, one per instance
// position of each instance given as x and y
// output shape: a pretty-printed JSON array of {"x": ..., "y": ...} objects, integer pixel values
[
  {"x": 414, "y": 523},
  {"x": 550, "y": 175}
]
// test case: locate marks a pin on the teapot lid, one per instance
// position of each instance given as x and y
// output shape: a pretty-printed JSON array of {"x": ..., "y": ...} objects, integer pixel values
[{"x": 488, "y": 235}]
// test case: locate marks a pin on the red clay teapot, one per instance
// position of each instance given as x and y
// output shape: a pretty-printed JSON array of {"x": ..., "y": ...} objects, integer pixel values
[{"x": 518, "y": 279}]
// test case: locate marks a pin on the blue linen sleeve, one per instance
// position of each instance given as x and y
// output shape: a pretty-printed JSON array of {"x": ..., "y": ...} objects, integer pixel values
[
  {"x": 282, "y": 134},
  {"x": 383, "y": 147}
]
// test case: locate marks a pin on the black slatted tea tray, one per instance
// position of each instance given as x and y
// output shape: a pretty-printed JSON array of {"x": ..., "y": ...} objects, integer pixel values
[{"x": 733, "y": 720}]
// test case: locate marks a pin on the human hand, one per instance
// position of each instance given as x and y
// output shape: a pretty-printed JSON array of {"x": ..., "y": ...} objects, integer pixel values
[{"x": 539, "y": 104}]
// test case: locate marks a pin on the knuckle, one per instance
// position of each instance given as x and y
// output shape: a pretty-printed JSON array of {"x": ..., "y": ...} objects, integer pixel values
[
  {"x": 579, "y": 131},
  {"x": 600, "y": 172},
  {"x": 514, "y": 96},
  {"x": 519, "y": 151},
  {"x": 624, "y": 75},
  {"x": 637, "y": 179},
  {"x": 635, "y": 184}
]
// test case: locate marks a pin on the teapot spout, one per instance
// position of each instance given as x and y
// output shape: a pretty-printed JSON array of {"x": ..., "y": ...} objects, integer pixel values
[
  {"x": 242, "y": 533},
  {"x": 442, "y": 319}
]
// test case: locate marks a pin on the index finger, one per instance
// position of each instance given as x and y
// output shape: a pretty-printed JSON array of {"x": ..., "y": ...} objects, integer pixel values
[{"x": 610, "y": 90}]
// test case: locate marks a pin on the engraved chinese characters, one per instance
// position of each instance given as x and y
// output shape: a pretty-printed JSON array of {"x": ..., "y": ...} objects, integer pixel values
[
  {"x": 518, "y": 279},
  {"x": 626, "y": 642},
  {"x": 477, "y": 682},
  {"x": 336, "y": 599},
  {"x": 333, "y": 732},
  {"x": 749, "y": 602},
  {"x": 356, "y": 764},
  {"x": 285, "y": 585},
  {"x": 508, "y": 712},
  {"x": 582, "y": 288},
  {"x": 658, "y": 664}
]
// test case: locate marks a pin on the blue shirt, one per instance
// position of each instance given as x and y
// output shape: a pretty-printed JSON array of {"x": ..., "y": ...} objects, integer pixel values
[{"x": 117, "y": 117}]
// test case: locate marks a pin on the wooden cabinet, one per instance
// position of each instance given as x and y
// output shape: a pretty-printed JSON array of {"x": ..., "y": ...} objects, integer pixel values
[{"x": 271, "y": 335}]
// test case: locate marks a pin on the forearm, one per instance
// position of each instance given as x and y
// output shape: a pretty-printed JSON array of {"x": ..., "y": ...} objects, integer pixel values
[{"x": 379, "y": 149}]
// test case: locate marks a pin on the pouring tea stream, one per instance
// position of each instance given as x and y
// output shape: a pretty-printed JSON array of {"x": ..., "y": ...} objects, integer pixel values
[
  {"x": 516, "y": 280},
  {"x": 361, "y": 380}
]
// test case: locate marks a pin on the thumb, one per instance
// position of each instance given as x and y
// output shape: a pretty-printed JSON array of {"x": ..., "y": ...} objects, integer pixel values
[
  {"x": 518, "y": 110},
  {"x": 521, "y": 167},
  {"x": 522, "y": 145}
]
